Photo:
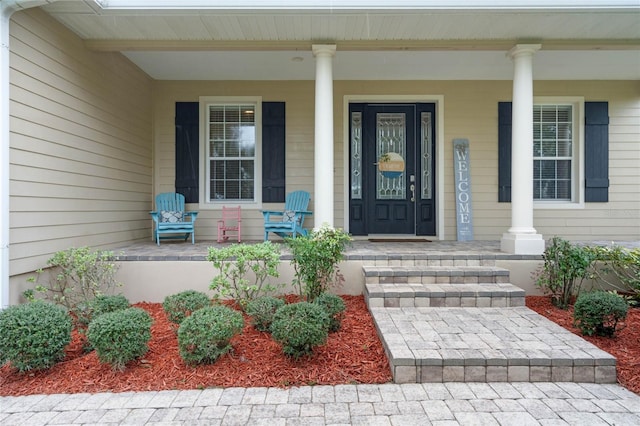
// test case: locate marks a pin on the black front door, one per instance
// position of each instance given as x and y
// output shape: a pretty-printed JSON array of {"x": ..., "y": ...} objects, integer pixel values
[{"x": 392, "y": 151}]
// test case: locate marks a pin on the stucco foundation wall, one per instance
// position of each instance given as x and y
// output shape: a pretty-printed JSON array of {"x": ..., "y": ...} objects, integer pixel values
[
  {"x": 470, "y": 111},
  {"x": 80, "y": 144}
]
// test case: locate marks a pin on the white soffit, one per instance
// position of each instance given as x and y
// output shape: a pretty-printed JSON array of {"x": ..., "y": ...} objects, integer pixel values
[
  {"x": 363, "y": 4},
  {"x": 385, "y": 65}
]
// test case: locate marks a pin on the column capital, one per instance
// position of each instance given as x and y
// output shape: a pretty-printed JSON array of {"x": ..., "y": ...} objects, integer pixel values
[
  {"x": 523, "y": 50},
  {"x": 323, "y": 49}
]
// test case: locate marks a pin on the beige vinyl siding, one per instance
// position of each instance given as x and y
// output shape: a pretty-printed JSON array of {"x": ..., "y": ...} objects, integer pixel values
[
  {"x": 470, "y": 111},
  {"x": 80, "y": 144},
  {"x": 299, "y": 104}
]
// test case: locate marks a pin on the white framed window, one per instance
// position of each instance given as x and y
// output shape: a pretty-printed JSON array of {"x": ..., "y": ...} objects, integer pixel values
[
  {"x": 231, "y": 149},
  {"x": 558, "y": 150}
]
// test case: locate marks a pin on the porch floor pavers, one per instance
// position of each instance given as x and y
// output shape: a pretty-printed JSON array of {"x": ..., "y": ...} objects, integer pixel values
[
  {"x": 359, "y": 249},
  {"x": 436, "y": 344}
]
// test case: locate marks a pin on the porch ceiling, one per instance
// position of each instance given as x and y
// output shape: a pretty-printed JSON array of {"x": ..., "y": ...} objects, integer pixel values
[{"x": 373, "y": 42}]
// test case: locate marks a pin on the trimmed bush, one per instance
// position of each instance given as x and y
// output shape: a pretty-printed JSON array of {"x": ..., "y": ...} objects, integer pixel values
[
  {"x": 334, "y": 306},
  {"x": 300, "y": 327},
  {"x": 205, "y": 335},
  {"x": 121, "y": 336},
  {"x": 181, "y": 305},
  {"x": 599, "y": 312},
  {"x": 33, "y": 336},
  {"x": 102, "y": 304},
  {"x": 262, "y": 310}
]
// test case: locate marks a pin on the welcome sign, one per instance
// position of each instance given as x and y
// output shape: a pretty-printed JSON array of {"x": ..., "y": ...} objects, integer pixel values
[{"x": 464, "y": 212}]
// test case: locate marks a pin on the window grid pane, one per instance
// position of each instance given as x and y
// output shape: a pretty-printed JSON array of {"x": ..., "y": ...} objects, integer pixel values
[
  {"x": 552, "y": 152},
  {"x": 232, "y": 148}
]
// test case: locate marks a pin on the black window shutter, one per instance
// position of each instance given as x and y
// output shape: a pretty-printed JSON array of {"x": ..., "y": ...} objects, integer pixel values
[
  {"x": 596, "y": 152},
  {"x": 504, "y": 152},
  {"x": 273, "y": 152},
  {"x": 187, "y": 146}
]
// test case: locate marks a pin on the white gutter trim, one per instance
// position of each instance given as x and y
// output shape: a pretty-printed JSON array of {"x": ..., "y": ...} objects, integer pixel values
[
  {"x": 370, "y": 5},
  {"x": 7, "y": 8}
]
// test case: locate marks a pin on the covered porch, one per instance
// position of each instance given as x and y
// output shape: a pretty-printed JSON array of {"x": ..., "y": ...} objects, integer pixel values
[{"x": 92, "y": 89}]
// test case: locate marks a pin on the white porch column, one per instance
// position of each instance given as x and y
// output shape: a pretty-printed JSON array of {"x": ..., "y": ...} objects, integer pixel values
[
  {"x": 323, "y": 146},
  {"x": 522, "y": 238}
]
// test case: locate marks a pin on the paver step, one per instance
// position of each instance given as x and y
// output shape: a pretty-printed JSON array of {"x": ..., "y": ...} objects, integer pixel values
[
  {"x": 443, "y": 295},
  {"x": 426, "y": 344},
  {"x": 435, "y": 274}
]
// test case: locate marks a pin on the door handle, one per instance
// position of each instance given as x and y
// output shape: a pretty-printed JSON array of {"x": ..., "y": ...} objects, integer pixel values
[{"x": 412, "y": 187}]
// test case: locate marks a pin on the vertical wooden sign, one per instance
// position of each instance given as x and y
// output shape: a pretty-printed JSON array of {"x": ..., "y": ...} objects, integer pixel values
[{"x": 464, "y": 211}]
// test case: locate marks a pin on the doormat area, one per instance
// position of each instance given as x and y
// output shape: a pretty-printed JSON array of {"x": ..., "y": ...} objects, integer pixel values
[{"x": 399, "y": 240}]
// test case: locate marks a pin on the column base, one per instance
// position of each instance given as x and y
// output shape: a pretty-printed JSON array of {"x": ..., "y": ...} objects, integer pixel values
[{"x": 522, "y": 243}]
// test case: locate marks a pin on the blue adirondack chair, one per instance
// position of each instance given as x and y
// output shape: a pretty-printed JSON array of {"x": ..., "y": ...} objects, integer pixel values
[
  {"x": 290, "y": 221},
  {"x": 171, "y": 218}
]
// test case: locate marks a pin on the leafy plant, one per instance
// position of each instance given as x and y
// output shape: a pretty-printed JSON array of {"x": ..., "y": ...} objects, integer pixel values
[
  {"x": 315, "y": 260},
  {"x": 205, "y": 335},
  {"x": 599, "y": 312},
  {"x": 334, "y": 307},
  {"x": 244, "y": 270},
  {"x": 618, "y": 268},
  {"x": 300, "y": 327},
  {"x": 121, "y": 336},
  {"x": 262, "y": 310},
  {"x": 565, "y": 267},
  {"x": 102, "y": 304},
  {"x": 181, "y": 305},
  {"x": 76, "y": 276},
  {"x": 33, "y": 335}
]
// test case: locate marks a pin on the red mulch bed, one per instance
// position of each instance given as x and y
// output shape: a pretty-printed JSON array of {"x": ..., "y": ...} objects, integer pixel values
[
  {"x": 625, "y": 346},
  {"x": 353, "y": 354}
]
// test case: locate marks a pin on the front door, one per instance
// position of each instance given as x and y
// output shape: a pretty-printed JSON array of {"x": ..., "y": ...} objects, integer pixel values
[{"x": 392, "y": 164}]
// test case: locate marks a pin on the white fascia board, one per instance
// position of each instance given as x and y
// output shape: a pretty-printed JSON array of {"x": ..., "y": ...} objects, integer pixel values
[{"x": 370, "y": 5}]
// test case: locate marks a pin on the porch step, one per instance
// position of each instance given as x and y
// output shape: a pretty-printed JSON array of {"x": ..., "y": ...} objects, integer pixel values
[
  {"x": 435, "y": 274},
  {"x": 443, "y": 295},
  {"x": 469, "y": 324},
  {"x": 466, "y": 286},
  {"x": 440, "y": 344}
]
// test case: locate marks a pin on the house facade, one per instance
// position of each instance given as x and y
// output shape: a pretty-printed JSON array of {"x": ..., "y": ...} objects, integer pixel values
[{"x": 513, "y": 123}]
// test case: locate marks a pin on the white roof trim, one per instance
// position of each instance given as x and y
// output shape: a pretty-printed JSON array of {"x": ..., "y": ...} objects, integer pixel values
[{"x": 370, "y": 4}]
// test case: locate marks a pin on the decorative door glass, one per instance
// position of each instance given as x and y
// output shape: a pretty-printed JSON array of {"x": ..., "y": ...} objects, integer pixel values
[
  {"x": 427, "y": 155},
  {"x": 391, "y": 145},
  {"x": 356, "y": 155}
]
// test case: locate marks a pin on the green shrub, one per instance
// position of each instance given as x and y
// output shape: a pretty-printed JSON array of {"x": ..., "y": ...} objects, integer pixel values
[
  {"x": 300, "y": 327},
  {"x": 181, "y": 305},
  {"x": 315, "y": 260},
  {"x": 76, "y": 276},
  {"x": 565, "y": 267},
  {"x": 244, "y": 270},
  {"x": 102, "y": 304},
  {"x": 33, "y": 336},
  {"x": 121, "y": 336},
  {"x": 334, "y": 306},
  {"x": 206, "y": 334},
  {"x": 599, "y": 312},
  {"x": 262, "y": 311},
  {"x": 621, "y": 263}
]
